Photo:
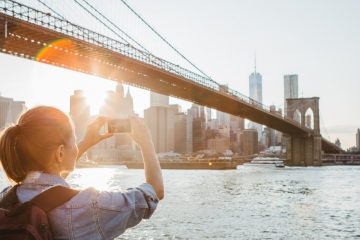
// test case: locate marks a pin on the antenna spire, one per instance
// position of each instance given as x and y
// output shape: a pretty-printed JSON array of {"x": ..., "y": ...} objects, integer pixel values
[{"x": 255, "y": 62}]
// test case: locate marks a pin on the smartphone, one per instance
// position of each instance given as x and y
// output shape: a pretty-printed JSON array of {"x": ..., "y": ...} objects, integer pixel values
[{"x": 119, "y": 125}]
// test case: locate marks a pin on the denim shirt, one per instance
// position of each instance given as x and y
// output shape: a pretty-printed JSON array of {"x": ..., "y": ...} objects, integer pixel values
[{"x": 91, "y": 214}]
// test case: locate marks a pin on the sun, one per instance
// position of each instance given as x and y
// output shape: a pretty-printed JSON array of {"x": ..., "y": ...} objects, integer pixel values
[{"x": 95, "y": 98}]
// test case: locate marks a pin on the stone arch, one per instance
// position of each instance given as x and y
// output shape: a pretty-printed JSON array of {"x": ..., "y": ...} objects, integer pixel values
[
  {"x": 297, "y": 116},
  {"x": 309, "y": 118},
  {"x": 303, "y": 104}
]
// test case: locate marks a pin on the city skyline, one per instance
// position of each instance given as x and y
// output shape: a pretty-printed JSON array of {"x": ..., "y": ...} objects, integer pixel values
[{"x": 305, "y": 45}]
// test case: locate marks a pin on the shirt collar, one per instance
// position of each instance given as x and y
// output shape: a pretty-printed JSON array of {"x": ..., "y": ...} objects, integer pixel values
[{"x": 41, "y": 178}]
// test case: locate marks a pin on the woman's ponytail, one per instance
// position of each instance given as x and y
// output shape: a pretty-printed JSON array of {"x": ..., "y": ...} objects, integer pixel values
[{"x": 11, "y": 153}]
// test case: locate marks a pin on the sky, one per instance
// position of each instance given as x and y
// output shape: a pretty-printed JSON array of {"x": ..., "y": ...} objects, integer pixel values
[{"x": 316, "y": 39}]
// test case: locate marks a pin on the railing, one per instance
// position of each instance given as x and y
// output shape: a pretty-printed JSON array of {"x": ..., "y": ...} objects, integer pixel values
[
  {"x": 29, "y": 14},
  {"x": 341, "y": 159}
]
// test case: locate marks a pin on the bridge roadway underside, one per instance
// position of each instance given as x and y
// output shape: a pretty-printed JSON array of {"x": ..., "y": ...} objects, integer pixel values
[{"x": 33, "y": 42}]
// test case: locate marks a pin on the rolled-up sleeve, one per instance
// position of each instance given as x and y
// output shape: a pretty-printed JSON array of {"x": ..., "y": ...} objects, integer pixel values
[{"x": 117, "y": 211}]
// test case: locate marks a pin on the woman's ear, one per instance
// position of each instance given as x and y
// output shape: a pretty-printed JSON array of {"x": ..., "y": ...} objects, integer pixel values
[{"x": 59, "y": 155}]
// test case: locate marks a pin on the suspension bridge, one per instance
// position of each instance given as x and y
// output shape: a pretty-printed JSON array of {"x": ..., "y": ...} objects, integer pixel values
[{"x": 47, "y": 37}]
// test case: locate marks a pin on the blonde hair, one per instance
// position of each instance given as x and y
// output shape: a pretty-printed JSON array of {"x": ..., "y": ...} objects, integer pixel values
[{"x": 27, "y": 146}]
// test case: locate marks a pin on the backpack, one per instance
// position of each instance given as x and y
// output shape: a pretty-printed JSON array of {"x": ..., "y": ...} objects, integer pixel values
[{"x": 29, "y": 220}]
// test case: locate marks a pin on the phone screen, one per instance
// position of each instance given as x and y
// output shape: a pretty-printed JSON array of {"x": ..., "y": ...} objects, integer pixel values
[{"x": 119, "y": 126}]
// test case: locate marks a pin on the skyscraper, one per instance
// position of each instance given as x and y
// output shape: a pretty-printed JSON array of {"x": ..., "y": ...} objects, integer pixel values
[
  {"x": 79, "y": 113},
  {"x": 223, "y": 119},
  {"x": 358, "y": 139},
  {"x": 10, "y": 110},
  {"x": 161, "y": 123},
  {"x": 198, "y": 123},
  {"x": 255, "y": 93},
  {"x": 291, "y": 89},
  {"x": 249, "y": 144},
  {"x": 255, "y": 86},
  {"x": 160, "y": 118},
  {"x": 157, "y": 99}
]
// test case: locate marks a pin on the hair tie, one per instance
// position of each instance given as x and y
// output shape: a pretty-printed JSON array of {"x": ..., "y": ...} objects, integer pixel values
[
  {"x": 17, "y": 132},
  {"x": 18, "y": 128}
]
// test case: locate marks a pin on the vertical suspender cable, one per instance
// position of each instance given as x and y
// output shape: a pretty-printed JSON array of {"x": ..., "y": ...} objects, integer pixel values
[
  {"x": 6, "y": 29},
  {"x": 107, "y": 19},
  {"x": 47, "y": 6},
  {"x": 162, "y": 38}
]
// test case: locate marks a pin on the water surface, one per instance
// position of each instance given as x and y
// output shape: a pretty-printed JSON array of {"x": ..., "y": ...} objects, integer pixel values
[{"x": 248, "y": 203}]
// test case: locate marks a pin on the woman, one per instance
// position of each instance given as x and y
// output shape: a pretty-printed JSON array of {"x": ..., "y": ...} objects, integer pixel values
[{"x": 40, "y": 151}]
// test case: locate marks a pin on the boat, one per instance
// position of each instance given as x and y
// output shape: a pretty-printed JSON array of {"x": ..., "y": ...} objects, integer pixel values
[
  {"x": 210, "y": 165},
  {"x": 266, "y": 162}
]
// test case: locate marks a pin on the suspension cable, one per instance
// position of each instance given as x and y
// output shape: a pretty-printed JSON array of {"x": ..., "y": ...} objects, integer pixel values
[
  {"x": 51, "y": 9},
  {"x": 162, "y": 38},
  {"x": 93, "y": 15},
  {"x": 107, "y": 19}
]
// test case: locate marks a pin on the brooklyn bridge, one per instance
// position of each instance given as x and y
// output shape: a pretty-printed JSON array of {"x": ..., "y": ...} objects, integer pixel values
[{"x": 49, "y": 38}]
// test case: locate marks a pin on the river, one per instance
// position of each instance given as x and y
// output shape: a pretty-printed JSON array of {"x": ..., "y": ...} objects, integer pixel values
[{"x": 247, "y": 203}]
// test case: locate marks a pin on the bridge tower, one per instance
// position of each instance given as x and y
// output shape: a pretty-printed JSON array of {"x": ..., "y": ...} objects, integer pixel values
[{"x": 304, "y": 150}]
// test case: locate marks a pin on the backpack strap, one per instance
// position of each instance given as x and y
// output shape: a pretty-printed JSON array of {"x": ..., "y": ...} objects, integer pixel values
[
  {"x": 10, "y": 198},
  {"x": 47, "y": 200},
  {"x": 53, "y": 197}
]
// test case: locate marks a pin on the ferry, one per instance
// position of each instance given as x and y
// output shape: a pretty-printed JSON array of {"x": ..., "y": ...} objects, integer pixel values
[
  {"x": 266, "y": 162},
  {"x": 210, "y": 165}
]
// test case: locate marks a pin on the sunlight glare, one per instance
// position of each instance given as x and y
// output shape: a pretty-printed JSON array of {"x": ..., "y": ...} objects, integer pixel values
[
  {"x": 95, "y": 99},
  {"x": 99, "y": 178}
]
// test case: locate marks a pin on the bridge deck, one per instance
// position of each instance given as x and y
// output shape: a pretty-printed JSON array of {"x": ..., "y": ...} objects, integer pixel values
[{"x": 41, "y": 44}]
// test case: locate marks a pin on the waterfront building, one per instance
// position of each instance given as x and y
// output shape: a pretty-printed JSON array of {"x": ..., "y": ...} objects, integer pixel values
[
  {"x": 79, "y": 113},
  {"x": 218, "y": 144},
  {"x": 199, "y": 134},
  {"x": 235, "y": 140},
  {"x": 358, "y": 139},
  {"x": 180, "y": 132},
  {"x": 223, "y": 119},
  {"x": 10, "y": 111},
  {"x": 208, "y": 114},
  {"x": 249, "y": 144},
  {"x": 291, "y": 89},
  {"x": 197, "y": 116},
  {"x": 161, "y": 123},
  {"x": 189, "y": 132},
  {"x": 213, "y": 124},
  {"x": 236, "y": 123},
  {"x": 255, "y": 93},
  {"x": 266, "y": 137},
  {"x": 157, "y": 99}
]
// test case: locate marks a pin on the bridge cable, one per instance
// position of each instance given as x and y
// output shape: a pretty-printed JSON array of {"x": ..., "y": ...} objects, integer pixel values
[
  {"x": 93, "y": 15},
  {"x": 51, "y": 9},
  {"x": 323, "y": 124},
  {"x": 123, "y": 32},
  {"x": 162, "y": 38}
]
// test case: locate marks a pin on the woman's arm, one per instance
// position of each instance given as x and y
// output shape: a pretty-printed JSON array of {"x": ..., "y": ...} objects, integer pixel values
[
  {"x": 141, "y": 135},
  {"x": 92, "y": 136}
]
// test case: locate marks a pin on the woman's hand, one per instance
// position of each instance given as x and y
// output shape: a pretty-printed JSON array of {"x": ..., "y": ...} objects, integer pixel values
[
  {"x": 92, "y": 135},
  {"x": 139, "y": 132},
  {"x": 142, "y": 136}
]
